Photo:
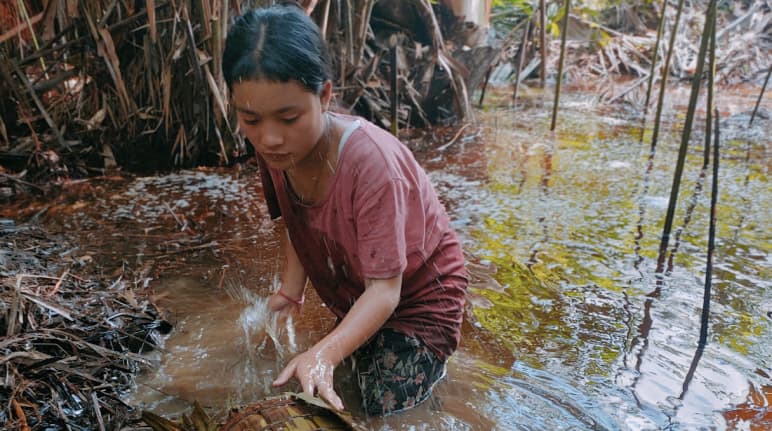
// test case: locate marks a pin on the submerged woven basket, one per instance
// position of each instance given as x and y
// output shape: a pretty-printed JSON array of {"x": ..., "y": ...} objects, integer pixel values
[{"x": 286, "y": 412}]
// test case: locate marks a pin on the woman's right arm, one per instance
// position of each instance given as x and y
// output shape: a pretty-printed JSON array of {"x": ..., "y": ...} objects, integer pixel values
[{"x": 293, "y": 282}]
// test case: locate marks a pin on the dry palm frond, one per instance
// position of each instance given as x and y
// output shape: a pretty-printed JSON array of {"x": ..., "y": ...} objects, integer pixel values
[
  {"x": 70, "y": 345},
  {"x": 290, "y": 412}
]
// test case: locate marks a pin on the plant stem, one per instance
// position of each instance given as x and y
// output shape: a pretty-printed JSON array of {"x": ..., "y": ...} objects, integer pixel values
[
  {"x": 696, "y": 80},
  {"x": 563, "y": 37},
  {"x": 665, "y": 73},
  {"x": 711, "y": 239},
  {"x": 654, "y": 56},
  {"x": 761, "y": 95}
]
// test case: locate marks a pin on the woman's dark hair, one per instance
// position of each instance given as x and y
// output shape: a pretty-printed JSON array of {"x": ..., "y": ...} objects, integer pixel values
[{"x": 279, "y": 44}]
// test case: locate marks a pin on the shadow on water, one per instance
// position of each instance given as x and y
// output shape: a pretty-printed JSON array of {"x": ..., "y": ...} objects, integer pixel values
[{"x": 568, "y": 325}]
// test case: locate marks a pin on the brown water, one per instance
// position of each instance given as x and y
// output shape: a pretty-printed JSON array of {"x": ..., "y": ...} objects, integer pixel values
[{"x": 569, "y": 326}]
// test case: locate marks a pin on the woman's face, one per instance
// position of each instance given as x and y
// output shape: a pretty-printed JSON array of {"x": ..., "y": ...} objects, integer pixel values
[{"x": 283, "y": 121}]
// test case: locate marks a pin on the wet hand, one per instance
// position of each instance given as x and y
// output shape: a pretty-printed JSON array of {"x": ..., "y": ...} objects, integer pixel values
[
  {"x": 314, "y": 371},
  {"x": 284, "y": 307}
]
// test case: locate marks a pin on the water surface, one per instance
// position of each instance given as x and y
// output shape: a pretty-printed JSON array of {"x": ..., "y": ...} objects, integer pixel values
[{"x": 569, "y": 325}]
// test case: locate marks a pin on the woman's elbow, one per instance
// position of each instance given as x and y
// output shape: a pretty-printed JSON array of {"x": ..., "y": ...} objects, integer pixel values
[
  {"x": 393, "y": 298},
  {"x": 387, "y": 292}
]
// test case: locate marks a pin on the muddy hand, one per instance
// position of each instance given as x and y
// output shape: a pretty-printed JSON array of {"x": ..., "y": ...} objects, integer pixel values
[{"x": 314, "y": 372}]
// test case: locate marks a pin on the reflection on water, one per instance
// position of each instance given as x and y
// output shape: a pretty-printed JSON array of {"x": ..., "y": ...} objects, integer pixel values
[{"x": 568, "y": 325}]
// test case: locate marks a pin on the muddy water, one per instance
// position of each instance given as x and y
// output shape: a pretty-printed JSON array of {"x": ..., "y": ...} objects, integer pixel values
[{"x": 570, "y": 327}]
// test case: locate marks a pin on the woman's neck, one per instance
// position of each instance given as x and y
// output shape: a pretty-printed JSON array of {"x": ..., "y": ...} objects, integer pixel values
[
  {"x": 324, "y": 153},
  {"x": 310, "y": 179}
]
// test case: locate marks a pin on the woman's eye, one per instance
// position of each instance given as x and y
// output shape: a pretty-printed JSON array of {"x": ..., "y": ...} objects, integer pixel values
[
  {"x": 290, "y": 120},
  {"x": 250, "y": 121}
]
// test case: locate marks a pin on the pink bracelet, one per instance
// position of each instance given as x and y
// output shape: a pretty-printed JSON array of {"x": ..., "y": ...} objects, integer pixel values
[{"x": 297, "y": 302}]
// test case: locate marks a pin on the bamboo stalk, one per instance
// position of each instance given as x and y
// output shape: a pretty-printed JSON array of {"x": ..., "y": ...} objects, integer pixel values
[
  {"x": 150, "y": 6},
  {"x": 654, "y": 56},
  {"x": 707, "y": 30},
  {"x": 20, "y": 27},
  {"x": 485, "y": 86},
  {"x": 224, "y": 20},
  {"x": 13, "y": 314},
  {"x": 97, "y": 411},
  {"x": 710, "y": 100},
  {"x": 341, "y": 24},
  {"x": 350, "y": 33},
  {"x": 113, "y": 62},
  {"x": 4, "y": 133},
  {"x": 217, "y": 42},
  {"x": 205, "y": 15},
  {"x": 46, "y": 48},
  {"x": 26, "y": 17},
  {"x": 364, "y": 26},
  {"x": 325, "y": 18},
  {"x": 563, "y": 37},
  {"x": 393, "y": 59},
  {"x": 665, "y": 73},
  {"x": 520, "y": 62},
  {"x": 761, "y": 95},
  {"x": 711, "y": 237},
  {"x": 543, "y": 42},
  {"x": 41, "y": 107}
]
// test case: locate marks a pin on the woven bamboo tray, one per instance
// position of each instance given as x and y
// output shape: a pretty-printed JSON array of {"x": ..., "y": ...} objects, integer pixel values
[{"x": 287, "y": 412}]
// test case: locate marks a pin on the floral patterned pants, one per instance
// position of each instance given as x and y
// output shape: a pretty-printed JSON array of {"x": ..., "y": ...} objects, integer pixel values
[{"x": 395, "y": 372}]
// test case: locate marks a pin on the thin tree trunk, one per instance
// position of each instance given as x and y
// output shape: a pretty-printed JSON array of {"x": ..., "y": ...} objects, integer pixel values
[
  {"x": 761, "y": 95},
  {"x": 665, "y": 73},
  {"x": 394, "y": 78},
  {"x": 520, "y": 62},
  {"x": 543, "y": 42},
  {"x": 710, "y": 100},
  {"x": 563, "y": 37},
  {"x": 704, "y": 318},
  {"x": 707, "y": 30},
  {"x": 654, "y": 57}
]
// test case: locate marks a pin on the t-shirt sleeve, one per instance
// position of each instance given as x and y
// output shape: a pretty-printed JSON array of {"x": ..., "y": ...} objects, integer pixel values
[
  {"x": 380, "y": 222},
  {"x": 269, "y": 191}
]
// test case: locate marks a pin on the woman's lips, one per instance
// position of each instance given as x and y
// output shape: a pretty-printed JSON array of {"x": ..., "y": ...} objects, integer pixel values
[{"x": 277, "y": 157}]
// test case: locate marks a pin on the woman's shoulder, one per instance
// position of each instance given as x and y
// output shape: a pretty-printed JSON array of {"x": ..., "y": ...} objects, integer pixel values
[{"x": 368, "y": 141}]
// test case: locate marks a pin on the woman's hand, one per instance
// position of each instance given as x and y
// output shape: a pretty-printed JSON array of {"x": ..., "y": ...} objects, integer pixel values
[
  {"x": 314, "y": 370},
  {"x": 283, "y": 306},
  {"x": 289, "y": 298}
]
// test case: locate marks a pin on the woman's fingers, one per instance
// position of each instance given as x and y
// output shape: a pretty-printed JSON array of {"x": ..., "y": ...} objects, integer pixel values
[
  {"x": 309, "y": 386},
  {"x": 312, "y": 376},
  {"x": 323, "y": 384},
  {"x": 326, "y": 391},
  {"x": 285, "y": 374}
]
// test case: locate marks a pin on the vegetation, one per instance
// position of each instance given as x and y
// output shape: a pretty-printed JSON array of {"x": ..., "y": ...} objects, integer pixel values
[{"x": 94, "y": 85}]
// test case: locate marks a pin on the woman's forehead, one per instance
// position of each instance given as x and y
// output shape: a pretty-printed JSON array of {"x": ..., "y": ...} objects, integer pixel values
[{"x": 265, "y": 97}]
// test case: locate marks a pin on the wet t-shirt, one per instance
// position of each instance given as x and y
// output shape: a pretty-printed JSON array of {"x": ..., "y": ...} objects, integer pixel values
[{"x": 381, "y": 218}]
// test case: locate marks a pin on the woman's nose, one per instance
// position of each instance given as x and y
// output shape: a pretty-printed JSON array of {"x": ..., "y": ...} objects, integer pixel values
[{"x": 270, "y": 137}]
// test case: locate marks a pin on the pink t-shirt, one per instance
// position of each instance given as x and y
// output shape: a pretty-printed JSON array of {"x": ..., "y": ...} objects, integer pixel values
[{"x": 380, "y": 218}]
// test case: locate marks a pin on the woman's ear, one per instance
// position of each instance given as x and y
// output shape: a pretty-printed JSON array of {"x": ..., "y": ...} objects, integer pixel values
[{"x": 326, "y": 95}]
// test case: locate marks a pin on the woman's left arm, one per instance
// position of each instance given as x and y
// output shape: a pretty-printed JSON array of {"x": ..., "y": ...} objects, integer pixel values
[{"x": 314, "y": 368}]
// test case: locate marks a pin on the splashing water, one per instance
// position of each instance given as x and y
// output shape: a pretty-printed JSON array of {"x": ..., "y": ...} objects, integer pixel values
[{"x": 260, "y": 324}]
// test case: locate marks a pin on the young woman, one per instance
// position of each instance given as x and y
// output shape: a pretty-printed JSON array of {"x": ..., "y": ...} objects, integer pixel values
[{"x": 364, "y": 223}]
